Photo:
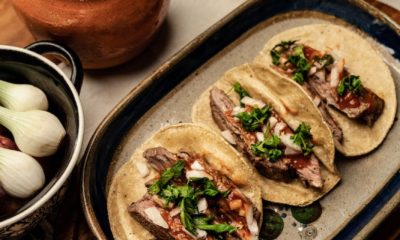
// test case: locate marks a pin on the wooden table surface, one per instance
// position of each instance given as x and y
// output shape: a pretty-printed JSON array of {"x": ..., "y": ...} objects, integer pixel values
[{"x": 73, "y": 224}]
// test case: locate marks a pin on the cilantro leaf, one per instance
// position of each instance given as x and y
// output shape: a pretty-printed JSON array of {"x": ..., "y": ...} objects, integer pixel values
[
  {"x": 349, "y": 83},
  {"x": 268, "y": 148},
  {"x": 302, "y": 137},
  {"x": 298, "y": 77},
  {"x": 255, "y": 119},
  {"x": 202, "y": 220},
  {"x": 275, "y": 54},
  {"x": 240, "y": 90},
  {"x": 218, "y": 228},
  {"x": 166, "y": 176},
  {"x": 185, "y": 217},
  {"x": 301, "y": 64},
  {"x": 208, "y": 188}
]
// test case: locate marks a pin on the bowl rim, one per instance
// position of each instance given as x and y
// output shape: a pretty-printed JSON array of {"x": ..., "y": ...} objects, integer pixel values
[{"x": 77, "y": 148}]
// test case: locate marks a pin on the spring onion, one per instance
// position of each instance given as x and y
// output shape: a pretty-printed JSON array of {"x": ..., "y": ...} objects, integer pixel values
[
  {"x": 37, "y": 133},
  {"x": 22, "y": 97},
  {"x": 20, "y": 174}
]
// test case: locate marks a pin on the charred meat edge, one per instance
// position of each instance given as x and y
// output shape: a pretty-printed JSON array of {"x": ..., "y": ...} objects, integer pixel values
[
  {"x": 284, "y": 169},
  {"x": 160, "y": 159}
]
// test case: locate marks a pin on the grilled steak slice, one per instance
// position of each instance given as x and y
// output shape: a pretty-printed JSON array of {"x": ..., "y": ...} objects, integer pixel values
[
  {"x": 286, "y": 167},
  {"x": 159, "y": 158},
  {"x": 137, "y": 211},
  {"x": 164, "y": 221},
  {"x": 332, "y": 124}
]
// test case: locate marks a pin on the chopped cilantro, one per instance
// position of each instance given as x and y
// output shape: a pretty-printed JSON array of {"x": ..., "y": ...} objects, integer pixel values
[
  {"x": 166, "y": 176},
  {"x": 302, "y": 137},
  {"x": 240, "y": 90},
  {"x": 207, "y": 187},
  {"x": 301, "y": 64},
  {"x": 255, "y": 119},
  {"x": 268, "y": 148},
  {"x": 219, "y": 228},
  {"x": 298, "y": 77},
  {"x": 298, "y": 51},
  {"x": 349, "y": 83},
  {"x": 185, "y": 216},
  {"x": 276, "y": 54}
]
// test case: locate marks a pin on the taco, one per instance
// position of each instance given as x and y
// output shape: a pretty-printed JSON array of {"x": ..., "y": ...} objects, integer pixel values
[
  {"x": 185, "y": 182},
  {"x": 277, "y": 128},
  {"x": 343, "y": 75}
]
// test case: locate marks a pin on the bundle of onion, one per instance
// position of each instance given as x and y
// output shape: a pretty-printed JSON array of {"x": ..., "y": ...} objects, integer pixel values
[{"x": 36, "y": 132}]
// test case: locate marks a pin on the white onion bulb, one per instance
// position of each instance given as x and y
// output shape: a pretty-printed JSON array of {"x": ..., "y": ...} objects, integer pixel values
[
  {"x": 20, "y": 174},
  {"x": 22, "y": 97},
  {"x": 37, "y": 133}
]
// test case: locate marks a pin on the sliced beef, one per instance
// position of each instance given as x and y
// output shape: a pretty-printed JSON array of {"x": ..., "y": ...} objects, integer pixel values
[
  {"x": 160, "y": 158},
  {"x": 332, "y": 124},
  {"x": 375, "y": 110},
  {"x": 137, "y": 211},
  {"x": 283, "y": 169},
  {"x": 308, "y": 170}
]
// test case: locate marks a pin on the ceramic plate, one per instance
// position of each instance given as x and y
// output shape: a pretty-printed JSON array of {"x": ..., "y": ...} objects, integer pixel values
[{"x": 370, "y": 184}]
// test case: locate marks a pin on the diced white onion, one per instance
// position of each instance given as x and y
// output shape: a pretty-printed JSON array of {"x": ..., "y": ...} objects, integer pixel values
[
  {"x": 175, "y": 211},
  {"x": 285, "y": 138},
  {"x": 236, "y": 110},
  {"x": 260, "y": 136},
  {"x": 312, "y": 71},
  {"x": 254, "y": 230},
  {"x": 202, "y": 205},
  {"x": 228, "y": 137},
  {"x": 197, "y": 174},
  {"x": 249, "y": 215},
  {"x": 197, "y": 166},
  {"x": 321, "y": 76},
  {"x": 279, "y": 127},
  {"x": 155, "y": 216},
  {"x": 201, "y": 233},
  {"x": 252, "y": 102},
  {"x": 251, "y": 223},
  {"x": 334, "y": 75},
  {"x": 272, "y": 121},
  {"x": 142, "y": 169},
  {"x": 291, "y": 151}
]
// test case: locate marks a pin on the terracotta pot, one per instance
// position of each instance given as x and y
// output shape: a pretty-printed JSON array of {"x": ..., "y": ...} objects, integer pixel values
[{"x": 103, "y": 33}]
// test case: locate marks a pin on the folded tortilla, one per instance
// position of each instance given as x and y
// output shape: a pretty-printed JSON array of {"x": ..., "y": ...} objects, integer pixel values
[
  {"x": 129, "y": 186},
  {"x": 360, "y": 59},
  {"x": 294, "y": 107}
]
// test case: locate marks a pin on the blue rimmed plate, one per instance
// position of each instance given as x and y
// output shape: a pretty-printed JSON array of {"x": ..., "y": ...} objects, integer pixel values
[{"x": 371, "y": 184}]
